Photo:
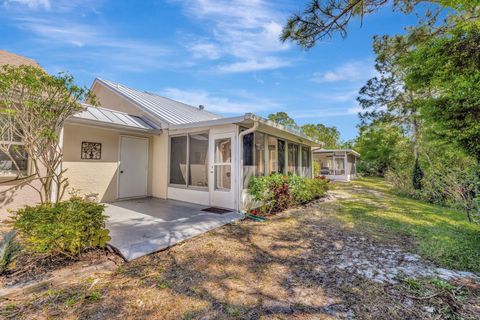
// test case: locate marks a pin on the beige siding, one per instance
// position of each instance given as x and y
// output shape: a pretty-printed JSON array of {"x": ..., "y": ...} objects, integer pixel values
[
  {"x": 110, "y": 100},
  {"x": 95, "y": 176},
  {"x": 160, "y": 166}
]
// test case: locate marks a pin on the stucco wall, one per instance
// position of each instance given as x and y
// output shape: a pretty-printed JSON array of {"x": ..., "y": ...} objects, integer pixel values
[
  {"x": 96, "y": 176},
  {"x": 108, "y": 99},
  {"x": 160, "y": 165},
  {"x": 12, "y": 197}
]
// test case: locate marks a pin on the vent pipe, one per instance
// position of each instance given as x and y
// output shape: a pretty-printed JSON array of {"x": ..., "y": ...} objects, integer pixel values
[{"x": 201, "y": 107}]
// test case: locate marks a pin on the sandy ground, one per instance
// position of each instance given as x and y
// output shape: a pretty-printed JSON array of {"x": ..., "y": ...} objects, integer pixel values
[{"x": 300, "y": 264}]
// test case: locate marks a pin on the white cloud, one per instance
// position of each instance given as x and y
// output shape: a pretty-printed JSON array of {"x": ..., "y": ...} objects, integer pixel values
[
  {"x": 322, "y": 112},
  {"x": 32, "y": 4},
  {"x": 351, "y": 72},
  {"x": 205, "y": 50},
  {"x": 240, "y": 103},
  {"x": 121, "y": 53},
  {"x": 247, "y": 31},
  {"x": 259, "y": 64}
]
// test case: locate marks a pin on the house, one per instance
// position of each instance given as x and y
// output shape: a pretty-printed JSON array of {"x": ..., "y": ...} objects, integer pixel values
[
  {"x": 148, "y": 145},
  {"x": 139, "y": 144},
  {"x": 337, "y": 164}
]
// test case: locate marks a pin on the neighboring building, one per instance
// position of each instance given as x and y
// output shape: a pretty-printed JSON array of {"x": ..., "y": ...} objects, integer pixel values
[
  {"x": 140, "y": 144},
  {"x": 338, "y": 164}
]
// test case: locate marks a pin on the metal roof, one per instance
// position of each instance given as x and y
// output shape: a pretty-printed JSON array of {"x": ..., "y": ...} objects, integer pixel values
[
  {"x": 320, "y": 150},
  {"x": 164, "y": 109},
  {"x": 241, "y": 119},
  {"x": 113, "y": 118}
]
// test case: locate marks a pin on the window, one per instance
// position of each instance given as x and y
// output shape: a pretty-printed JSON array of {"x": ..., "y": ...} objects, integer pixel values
[
  {"x": 305, "y": 161},
  {"x": 281, "y": 156},
  {"x": 189, "y": 160},
  {"x": 248, "y": 149},
  {"x": 292, "y": 158},
  {"x": 178, "y": 160},
  {"x": 198, "y": 164},
  {"x": 259, "y": 154},
  {"x": 20, "y": 158},
  {"x": 339, "y": 165},
  {"x": 272, "y": 155}
]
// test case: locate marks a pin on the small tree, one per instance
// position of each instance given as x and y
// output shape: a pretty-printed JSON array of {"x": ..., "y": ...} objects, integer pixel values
[
  {"x": 417, "y": 176},
  {"x": 33, "y": 108}
]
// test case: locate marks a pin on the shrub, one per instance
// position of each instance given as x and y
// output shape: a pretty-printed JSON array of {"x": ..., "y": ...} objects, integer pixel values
[
  {"x": 278, "y": 192},
  {"x": 67, "y": 228},
  {"x": 317, "y": 186},
  {"x": 9, "y": 248}
]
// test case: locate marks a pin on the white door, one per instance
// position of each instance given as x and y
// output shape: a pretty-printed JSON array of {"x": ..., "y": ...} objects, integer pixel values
[
  {"x": 221, "y": 171},
  {"x": 133, "y": 169}
]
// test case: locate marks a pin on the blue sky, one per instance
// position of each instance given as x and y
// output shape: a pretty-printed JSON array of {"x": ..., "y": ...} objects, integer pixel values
[{"x": 223, "y": 54}]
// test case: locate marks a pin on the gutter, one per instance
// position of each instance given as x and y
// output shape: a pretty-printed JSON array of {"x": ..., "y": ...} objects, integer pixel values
[{"x": 240, "y": 156}]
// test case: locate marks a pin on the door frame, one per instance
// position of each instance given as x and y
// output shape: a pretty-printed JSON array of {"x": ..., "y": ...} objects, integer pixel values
[
  {"x": 233, "y": 168},
  {"x": 120, "y": 137}
]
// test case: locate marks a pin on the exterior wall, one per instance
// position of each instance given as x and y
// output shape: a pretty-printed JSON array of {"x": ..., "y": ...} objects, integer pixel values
[
  {"x": 192, "y": 194},
  {"x": 12, "y": 197},
  {"x": 96, "y": 176},
  {"x": 108, "y": 99},
  {"x": 160, "y": 158}
]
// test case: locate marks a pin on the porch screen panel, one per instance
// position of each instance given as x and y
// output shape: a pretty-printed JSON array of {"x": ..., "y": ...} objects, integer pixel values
[
  {"x": 198, "y": 164},
  {"x": 248, "y": 158},
  {"x": 259, "y": 154},
  {"x": 305, "y": 161},
  {"x": 292, "y": 158},
  {"x": 272, "y": 155},
  {"x": 281, "y": 156},
  {"x": 223, "y": 164},
  {"x": 178, "y": 160}
]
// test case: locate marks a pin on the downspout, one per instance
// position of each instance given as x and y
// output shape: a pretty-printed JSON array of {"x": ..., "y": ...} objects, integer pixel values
[{"x": 240, "y": 156}]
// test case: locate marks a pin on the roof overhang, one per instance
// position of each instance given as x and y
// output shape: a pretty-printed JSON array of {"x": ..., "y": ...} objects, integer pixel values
[
  {"x": 248, "y": 119},
  {"x": 348, "y": 151},
  {"x": 112, "y": 119}
]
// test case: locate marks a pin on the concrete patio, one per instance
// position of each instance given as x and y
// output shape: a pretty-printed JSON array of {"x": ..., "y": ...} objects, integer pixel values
[{"x": 143, "y": 226}]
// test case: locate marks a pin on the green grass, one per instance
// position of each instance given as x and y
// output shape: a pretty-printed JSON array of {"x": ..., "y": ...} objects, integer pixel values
[{"x": 441, "y": 234}]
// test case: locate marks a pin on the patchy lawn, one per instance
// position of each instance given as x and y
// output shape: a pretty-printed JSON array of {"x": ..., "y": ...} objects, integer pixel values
[
  {"x": 353, "y": 257},
  {"x": 439, "y": 234}
]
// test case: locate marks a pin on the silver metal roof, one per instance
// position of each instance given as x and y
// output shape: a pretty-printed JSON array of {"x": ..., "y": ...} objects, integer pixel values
[
  {"x": 164, "y": 109},
  {"x": 320, "y": 150},
  {"x": 113, "y": 118},
  {"x": 243, "y": 119}
]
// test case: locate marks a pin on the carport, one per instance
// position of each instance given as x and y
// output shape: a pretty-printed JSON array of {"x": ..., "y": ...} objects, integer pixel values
[{"x": 143, "y": 226}]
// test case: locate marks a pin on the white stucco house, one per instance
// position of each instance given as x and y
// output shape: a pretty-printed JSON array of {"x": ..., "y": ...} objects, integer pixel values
[{"x": 139, "y": 144}]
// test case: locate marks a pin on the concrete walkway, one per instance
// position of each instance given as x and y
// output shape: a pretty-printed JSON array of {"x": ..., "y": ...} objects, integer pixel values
[{"x": 142, "y": 226}]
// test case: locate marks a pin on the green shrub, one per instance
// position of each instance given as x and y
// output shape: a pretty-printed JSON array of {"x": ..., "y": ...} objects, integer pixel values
[
  {"x": 67, "y": 228},
  {"x": 299, "y": 190},
  {"x": 278, "y": 192},
  {"x": 317, "y": 186},
  {"x": 9, "y": 248}
]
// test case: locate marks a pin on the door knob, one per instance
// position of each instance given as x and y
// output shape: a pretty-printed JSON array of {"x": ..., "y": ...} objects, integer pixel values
[{"x": 121, "y": 171}]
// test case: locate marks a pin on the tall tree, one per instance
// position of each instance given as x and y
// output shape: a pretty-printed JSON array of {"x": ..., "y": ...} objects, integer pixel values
[
  {"x": 329, "y": 135},
  {"x": 449, "y": 67},
  {"x": 283, "y": 118},
  {"x": 323, "y": 19},
  {"x": 385, "y": 98}
]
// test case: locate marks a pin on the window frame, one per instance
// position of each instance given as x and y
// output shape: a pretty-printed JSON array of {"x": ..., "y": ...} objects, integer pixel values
[
  {"x": 14, "y": 173},
  {"x": 187, "y": 164}
]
